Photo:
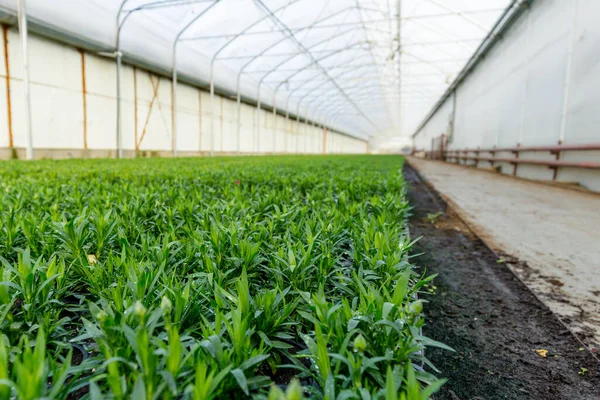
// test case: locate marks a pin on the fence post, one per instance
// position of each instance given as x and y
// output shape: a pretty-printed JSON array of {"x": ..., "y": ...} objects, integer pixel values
[
  {"x": 557, "y": 154},
  {"x": 442, "y": 156}
]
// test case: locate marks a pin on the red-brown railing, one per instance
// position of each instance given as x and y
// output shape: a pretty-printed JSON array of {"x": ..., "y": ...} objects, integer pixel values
[{"x": 490, "y": 155}]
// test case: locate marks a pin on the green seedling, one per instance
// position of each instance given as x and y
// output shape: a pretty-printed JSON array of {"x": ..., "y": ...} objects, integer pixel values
[{"x": 210, "y": 278}]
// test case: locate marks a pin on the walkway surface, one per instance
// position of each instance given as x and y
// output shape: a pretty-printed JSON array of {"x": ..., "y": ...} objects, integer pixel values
[{"x": 549, "y": 236}]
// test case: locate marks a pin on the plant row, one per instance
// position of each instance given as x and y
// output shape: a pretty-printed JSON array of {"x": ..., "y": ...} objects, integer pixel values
[{"x": 268, "y": 278}]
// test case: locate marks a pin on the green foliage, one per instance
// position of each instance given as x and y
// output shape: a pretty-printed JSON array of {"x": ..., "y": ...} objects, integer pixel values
[{"x": 209, "y": 278}]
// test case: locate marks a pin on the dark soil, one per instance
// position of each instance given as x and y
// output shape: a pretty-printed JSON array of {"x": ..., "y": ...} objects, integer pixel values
[{"x": 494, "y": 321}]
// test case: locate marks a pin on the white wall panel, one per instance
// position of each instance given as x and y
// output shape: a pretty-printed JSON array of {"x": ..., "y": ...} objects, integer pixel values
[
  {"x": 146, "y": 110},
  {"x": 56, "y": 97},
  {"x": 248, "y": 140},
  {"x": 4, "y": 132},
  {"x": 101, "y": 116},
  {"x": 230, "y": 124},
  {"x": 439, "y": 124},
  {"x": 205, "y": 124},
  {"x": 540, "y": 83},
  {"x": 583, "y": 118},
  {"x": 101, "y": 102},
  {"x": 154, "y": 111},
  {"x": 544, "y": 96},
  {"x": 188, "y": 118}
]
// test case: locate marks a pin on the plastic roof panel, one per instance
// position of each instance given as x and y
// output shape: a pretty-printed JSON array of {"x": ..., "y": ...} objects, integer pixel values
[{"x": 336, "y": 61}]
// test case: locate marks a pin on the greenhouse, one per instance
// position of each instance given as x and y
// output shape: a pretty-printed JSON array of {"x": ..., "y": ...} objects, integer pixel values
[{"x": 299, "y": 199}]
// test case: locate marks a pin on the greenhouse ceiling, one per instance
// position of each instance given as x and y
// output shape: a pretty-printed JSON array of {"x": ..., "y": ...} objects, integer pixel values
[{"x": 343, "y": 63}]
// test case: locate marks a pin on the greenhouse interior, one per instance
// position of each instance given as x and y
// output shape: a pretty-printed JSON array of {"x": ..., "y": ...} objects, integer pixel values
[{"x": 300, "y": 199}]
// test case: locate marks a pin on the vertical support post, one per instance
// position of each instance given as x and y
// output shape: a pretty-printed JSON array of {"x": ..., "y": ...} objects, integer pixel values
[
  {"x": 239, "y": 111},
  {"x": 258, "y": 126},
  {"x": 399, "y": 6},
  {"x": 135, "y": 112},
  {"x": 286, "y": 133},
  {"x": 212, "y": 115},
  {"x": 200, "y": 121},
  {"x": 516, "y": 164},
  {"x": 452, "y": 119},
  {"x": 174, "y": 103},
  {"x": 274, "y": 129},
  {"x": 297, "y": 132},
  {"x": 119, "y": 150},
  {"x": 84, "y": 98},
  {"x": 221, "y": 124},
  {"x": 306, "y": 125},
  {"x": 324, "y": 141},
  {"x": 118, "y": 144},
  {"x": 334, "y": 144},
  {"x": 566, "y": 91},
  {"x": 239, "y": 122},
  {"x": 306, "y": 141},
  {"x": 24, "y": 39},
  {"x": 174, "y": 82},
  {"x": 316, "y": 137},
  {"x": 555, "y": 169},
  {"x": 442, "y": 157},
  {"x": 7, "y": 82},
  {"x": 526, "y": 85}
]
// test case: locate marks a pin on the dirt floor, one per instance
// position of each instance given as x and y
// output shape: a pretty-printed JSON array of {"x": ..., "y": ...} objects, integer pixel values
[
  {"x": 500, "y": 330},
  {"x": 551, "y": 233}
]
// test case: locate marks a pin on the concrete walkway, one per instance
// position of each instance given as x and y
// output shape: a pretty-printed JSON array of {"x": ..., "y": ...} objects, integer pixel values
[{"x": 554, "y": 232}]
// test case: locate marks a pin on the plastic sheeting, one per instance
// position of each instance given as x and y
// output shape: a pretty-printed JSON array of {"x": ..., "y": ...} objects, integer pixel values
[
  {"x": 333, "y": 61},
  {"x": 538, "y": 86}
]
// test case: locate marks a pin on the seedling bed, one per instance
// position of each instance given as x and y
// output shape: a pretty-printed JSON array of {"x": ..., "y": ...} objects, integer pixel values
[{"x": 210, "y": 278}]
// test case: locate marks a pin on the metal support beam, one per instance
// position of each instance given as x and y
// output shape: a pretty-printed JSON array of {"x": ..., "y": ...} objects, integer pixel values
[
  {"x": 315, "y": 61},
  {"x": 275, "y": 68},
  {"x": 214, "y": 59},
  {"x": 174, "y": 67},
  {"x": 289, "y": 58},
  {"x": 337, "y": 51},
  {"x": 511, "y": 13},
  {"x": 371, "y": 21},
  {"x": 119, "y": 56},
  {"x": 399, "y": 61},
  {"x": 22, "y": 15}
]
